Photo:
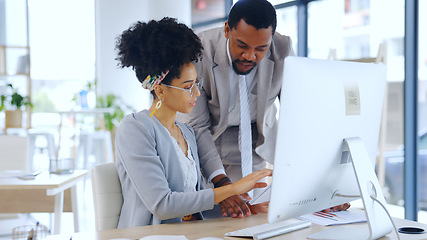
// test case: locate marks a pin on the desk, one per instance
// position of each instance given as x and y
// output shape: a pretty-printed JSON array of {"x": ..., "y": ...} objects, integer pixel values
[
  {"x": 217, "y": 228},
  {"x": 43, "y": 194}
]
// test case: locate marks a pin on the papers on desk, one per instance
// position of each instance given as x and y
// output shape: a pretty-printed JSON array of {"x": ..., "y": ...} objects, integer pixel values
[
  {"x": 164, "y": 237},
  {"x": 264, "y": 196},
  {"x": 23, "y": 175},
  {"x": 334, "y": 218},
  {"x": 13, "y": 173}
]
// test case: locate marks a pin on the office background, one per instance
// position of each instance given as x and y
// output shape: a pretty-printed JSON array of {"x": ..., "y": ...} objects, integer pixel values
[{"x": 71, "y": 45}]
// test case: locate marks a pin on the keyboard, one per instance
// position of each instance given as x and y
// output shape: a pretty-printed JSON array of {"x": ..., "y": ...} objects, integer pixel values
[{"x": 268, "y": 230}]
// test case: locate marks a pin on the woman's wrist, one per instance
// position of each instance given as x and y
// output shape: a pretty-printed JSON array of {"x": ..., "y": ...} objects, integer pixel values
[
  {"x": 222, "y": 182},
  {"x": 223, "y": 192}
]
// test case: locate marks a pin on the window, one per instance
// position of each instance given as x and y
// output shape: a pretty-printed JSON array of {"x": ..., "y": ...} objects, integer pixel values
[
  {"x": 206, "y": 10},
  {"x": 207, "y": 14},
  {"x": 287, "y": 24},
  {"x": 356, "y": 30},
  {"x": 62, "y": 51},
  {"x": 422, "y": 109}
]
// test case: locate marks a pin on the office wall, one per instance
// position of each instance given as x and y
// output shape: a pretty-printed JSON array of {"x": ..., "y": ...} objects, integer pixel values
[
  {"x": 112, "y": 17},
  {"x": 13, "y": 23},
  {"x": 2, "y": 22}
]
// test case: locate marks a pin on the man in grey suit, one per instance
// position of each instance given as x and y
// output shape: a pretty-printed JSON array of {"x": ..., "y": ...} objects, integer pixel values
[{"x": 247, "y": 46}]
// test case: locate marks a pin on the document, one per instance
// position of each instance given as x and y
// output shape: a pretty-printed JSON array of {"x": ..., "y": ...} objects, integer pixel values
[
  {"x": 334, "y": 218},
  {"x": 164, "y": 237},
  {"x": 262, "y": 197},
  {"x": 21, "y": 174},
  {"x": 13, "y": 173}
]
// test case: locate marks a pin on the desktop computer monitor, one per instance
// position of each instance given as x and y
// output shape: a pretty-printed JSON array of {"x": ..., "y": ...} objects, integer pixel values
[{"x": 329, "y": 122}]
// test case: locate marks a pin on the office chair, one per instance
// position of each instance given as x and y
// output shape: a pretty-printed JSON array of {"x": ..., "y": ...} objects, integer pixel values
[
  {"x": 107, "y": 196},
  {"x": 99, "y": 142},
  {"x": 14, "y": 153},
  {"x": 13, "y": 156}
]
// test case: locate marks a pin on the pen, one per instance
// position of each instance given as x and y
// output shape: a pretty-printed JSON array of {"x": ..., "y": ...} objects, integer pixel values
[
  {"x": 320, "y": 214},
  {"x": 332, "y": 215},
  {"x": 31, "y": 235},
  {"x": 30, "y": 176}
]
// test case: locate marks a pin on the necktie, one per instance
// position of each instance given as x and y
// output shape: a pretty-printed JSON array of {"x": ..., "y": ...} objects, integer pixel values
[{"x": 245, "y": 133}]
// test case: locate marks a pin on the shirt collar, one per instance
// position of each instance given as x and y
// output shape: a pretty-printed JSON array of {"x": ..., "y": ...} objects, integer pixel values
[{"x": 228, "y": 53}]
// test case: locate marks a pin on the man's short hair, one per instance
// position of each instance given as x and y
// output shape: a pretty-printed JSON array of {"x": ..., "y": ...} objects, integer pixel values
[{"x": 257, "y": 13}]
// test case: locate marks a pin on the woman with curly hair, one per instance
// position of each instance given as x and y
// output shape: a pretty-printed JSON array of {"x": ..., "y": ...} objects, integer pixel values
[{"x": 157, "y": 159}]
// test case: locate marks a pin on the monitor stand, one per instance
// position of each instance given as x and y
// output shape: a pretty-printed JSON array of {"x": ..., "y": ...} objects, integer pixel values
[{"x": 378, "y": 221}]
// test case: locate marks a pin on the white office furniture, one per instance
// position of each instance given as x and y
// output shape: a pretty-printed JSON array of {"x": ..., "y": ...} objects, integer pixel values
[
  {"x": 13, "y": 148},
  {"x": 107, "y": 196},
  {"x": 216, "y": 227},
  {"x": 75, "y": 114},
  {"x": 14, "y": 153},
  {"x": 50, "y": 140},
  {"x": 43, "y": 194},
  {"x": 97, "y": 142}
]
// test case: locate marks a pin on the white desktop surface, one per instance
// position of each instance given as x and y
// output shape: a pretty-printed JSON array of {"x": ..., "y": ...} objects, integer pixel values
[
  {"x": 217, "y": 227},
  {"x": 23, "y": 196}
]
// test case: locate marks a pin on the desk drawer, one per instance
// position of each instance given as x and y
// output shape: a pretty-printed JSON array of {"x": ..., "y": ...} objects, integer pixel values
[{"x": 30, "y": 201}]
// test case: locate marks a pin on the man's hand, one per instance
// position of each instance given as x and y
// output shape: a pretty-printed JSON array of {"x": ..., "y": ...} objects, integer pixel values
[
  {"x": 235, "y": 206},
  {"x": 259, "y": 208},
  {"x": 342, "y": 207}
]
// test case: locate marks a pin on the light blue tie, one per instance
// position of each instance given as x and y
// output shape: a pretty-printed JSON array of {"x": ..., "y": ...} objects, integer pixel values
[{"x": 245, "y": 133}]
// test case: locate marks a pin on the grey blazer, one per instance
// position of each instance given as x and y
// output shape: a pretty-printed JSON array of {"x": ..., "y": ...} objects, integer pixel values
[
  {"x": 151, "y": 176},
  {"x": 209, "y": 117}
]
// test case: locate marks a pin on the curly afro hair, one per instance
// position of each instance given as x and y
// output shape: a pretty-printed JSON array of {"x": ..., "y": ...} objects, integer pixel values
[{"x": 157, "y": 46}]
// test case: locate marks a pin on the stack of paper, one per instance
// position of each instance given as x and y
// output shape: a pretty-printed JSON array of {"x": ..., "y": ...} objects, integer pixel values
[
  {"x": 334, "y": 218},
  {"x": 164, "y": 237}
]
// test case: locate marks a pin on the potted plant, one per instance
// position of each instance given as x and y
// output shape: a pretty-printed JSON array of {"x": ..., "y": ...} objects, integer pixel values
[
  {"x": 13, "y": 103},
  {"x": 112, "y": 119}
]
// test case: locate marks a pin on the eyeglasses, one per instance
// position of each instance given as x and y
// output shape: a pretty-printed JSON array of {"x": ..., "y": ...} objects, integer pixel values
[{"x": 192, "y": 90}]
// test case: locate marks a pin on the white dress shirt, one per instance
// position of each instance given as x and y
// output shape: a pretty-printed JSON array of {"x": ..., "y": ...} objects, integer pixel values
[{"x": 188, "y": 166}]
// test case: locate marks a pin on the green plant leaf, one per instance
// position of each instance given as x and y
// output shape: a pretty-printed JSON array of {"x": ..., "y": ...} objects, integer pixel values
[{"x": 114, "y": 102}]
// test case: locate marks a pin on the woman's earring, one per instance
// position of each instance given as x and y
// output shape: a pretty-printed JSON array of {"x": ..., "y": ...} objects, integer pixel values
[{"x": 158, "y": 105}]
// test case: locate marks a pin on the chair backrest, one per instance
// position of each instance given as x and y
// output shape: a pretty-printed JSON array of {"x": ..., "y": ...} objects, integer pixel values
[
  {"x": 107, "y": 196},
  {"x": 14, "y": 153}
]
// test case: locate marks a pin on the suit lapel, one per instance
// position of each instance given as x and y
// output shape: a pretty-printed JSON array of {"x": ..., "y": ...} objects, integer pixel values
[
  {"x": 222, "y": 78},
  {"x": 263, "y": 79}
]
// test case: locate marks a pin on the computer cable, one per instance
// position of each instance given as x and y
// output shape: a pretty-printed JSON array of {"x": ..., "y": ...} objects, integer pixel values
[
  {"x": 381, "y": 204},
  {"x": 389, "y": 216}
]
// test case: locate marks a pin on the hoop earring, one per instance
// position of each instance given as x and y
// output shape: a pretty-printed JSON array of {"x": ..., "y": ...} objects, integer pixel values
[{"x": 158, "y": 105}]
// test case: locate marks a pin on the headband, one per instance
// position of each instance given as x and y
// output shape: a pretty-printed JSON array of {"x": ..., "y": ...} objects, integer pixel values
[{"x": 151, "y": 81}]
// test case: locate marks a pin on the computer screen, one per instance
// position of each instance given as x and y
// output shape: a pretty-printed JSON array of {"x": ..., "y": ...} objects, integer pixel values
[{"x": 330, "y": 114}]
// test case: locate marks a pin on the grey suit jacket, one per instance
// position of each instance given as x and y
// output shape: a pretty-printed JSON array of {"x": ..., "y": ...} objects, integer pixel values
[
  {"x": 151, "y": 176},
  {"x": 209, "y": 117}
]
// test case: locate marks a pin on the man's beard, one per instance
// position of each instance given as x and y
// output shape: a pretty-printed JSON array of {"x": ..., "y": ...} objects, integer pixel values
[{"x": 240, "y": 72}]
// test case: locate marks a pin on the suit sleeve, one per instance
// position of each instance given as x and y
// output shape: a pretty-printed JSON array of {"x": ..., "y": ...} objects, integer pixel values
[
  {"x": 200, "y": 120},
  {"x": 139, "y": 163}
]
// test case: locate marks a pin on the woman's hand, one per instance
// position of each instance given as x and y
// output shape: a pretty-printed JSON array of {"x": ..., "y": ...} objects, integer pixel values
[
  {"x": 242, "y": 186},
  {"x": 250, "y": 182},
  {"x": 342, "y": 207}
]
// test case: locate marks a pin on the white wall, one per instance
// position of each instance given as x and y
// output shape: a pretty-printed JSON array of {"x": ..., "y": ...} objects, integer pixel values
[
  {"x": 112, "y": 18},
  {"x": 2, "y": 22},
  {"x": 15, "y": 23}
]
